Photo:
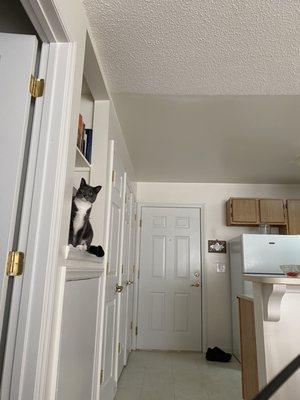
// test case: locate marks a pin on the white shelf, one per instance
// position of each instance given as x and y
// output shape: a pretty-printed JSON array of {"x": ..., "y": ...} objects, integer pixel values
[
  {"x": 77, "y": 258},
  {"x": 81, "y": 161},
  {"x": 82, "y": 169}
]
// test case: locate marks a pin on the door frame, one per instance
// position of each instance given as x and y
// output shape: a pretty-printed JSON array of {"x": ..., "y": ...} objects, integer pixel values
[
  {"x": 203, "y": 311},
  {"x": 32, "y": 362}
]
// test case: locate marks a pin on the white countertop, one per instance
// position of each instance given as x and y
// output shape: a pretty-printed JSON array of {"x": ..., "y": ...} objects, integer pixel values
[{"x": 273, "y": 279}]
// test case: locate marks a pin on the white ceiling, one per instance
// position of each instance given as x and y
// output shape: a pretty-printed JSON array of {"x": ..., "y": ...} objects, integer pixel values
[{"x": 173, "y": 67}]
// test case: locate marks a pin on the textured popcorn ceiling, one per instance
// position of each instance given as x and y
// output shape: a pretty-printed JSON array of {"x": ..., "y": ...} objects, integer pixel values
[
  {"x": 198, "y": 46},
  {"x": 181, "y": 73}
]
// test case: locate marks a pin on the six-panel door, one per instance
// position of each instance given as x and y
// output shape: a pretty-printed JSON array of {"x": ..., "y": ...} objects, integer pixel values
[
  {"x": 169, "y": 316},
  {"x": 123, "y": 282},
  {"x": 109, "y": 357},
  {"x": 130, "y": 281}
]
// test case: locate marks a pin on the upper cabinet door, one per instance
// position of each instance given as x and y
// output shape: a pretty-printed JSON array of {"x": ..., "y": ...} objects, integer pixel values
[
  {"x": 243, "y": 212},
  {"x": 272, "y": 211},
  {"x": 293, "y": 207}
]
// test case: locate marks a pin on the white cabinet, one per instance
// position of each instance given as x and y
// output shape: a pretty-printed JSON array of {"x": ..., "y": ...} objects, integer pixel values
[{"x": 77, "y": 344}]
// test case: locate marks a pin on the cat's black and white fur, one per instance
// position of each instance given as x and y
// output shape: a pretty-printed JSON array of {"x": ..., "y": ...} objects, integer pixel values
[{"x": 81, "y": 231}]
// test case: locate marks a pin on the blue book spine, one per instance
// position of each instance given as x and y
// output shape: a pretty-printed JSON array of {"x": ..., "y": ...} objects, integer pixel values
[{"x": 89, "y": 142}]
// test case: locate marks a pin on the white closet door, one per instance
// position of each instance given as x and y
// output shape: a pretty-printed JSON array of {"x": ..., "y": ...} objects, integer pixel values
[
  {"x": 17, "y": 63},
  {"x": 109, "y": 351},
  {"x": 77, "y": 340},
  {"x": 123, "y": 282},
  {"x": 130, "y": 279},
  {"x": 169, "y": 316}
]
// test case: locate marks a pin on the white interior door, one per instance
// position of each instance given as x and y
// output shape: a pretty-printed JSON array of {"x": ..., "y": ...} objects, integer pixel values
[
  {"x": 109, "y": 352},
  {"x": 169, "y": 316},
  {"x": 17, "y": 63},
  {"x": 123, "y": 282},
  {"x": 130, "y": 280}
]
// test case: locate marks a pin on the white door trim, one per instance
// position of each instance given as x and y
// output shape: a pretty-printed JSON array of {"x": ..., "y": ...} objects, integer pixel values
[
  {"x": 201, "y": 208},
  {"x": 45, "y": 17},
  {"x": 35, "y": 336},
  {"x": 34, "y": 339}
]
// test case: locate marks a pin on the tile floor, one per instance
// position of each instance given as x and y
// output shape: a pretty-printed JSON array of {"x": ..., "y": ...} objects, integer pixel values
[{"x": 154, "y": 375}]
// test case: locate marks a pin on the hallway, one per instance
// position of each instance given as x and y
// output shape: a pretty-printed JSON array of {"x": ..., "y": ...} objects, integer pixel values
[{"x": 152, "y": 375}]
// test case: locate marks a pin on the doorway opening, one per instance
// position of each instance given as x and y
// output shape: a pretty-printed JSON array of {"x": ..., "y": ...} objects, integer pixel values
[{"x": 168, "y": 362}]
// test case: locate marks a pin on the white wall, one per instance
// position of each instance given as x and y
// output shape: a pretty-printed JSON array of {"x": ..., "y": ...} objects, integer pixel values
[
  {"x": 213, "y": 196},
  {"x": 115, "y": 133}
]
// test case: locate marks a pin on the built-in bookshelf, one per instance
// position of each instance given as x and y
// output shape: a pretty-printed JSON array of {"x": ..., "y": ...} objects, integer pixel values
[
  {"x": 92, "y": 136},
  {"x": 84, "y": 143},
  {"x": 81, "y": 162}
]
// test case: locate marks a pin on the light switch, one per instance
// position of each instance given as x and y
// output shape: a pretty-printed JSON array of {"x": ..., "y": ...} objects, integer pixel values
[{"x": 221, "y": 267}]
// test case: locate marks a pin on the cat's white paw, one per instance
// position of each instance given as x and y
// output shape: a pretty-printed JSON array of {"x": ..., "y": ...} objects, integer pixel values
[{"x": 81, "y": 247}]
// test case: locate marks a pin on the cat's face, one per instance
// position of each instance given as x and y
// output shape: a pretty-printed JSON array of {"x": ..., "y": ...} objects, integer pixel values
[{"x": 86, "y": 192}]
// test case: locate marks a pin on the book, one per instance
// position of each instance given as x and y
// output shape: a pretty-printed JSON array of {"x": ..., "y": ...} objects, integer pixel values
[
  {"x": 89, "y": 143},
  {"x": 80, "y": 131}
]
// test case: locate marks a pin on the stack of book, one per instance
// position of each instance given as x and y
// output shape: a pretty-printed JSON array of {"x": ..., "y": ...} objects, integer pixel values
[{"x": 84, "y": 139}]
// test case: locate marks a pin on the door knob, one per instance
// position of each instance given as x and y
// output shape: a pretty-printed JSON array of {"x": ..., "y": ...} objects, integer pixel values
[
  {"x": 119, "y": 288},
  {"x": 197, "y": 284},
  {"x": 129, "y": 283}
]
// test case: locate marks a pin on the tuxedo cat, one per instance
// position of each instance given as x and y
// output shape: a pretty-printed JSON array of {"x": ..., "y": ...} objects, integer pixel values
[{"x": 81, "y": 231}]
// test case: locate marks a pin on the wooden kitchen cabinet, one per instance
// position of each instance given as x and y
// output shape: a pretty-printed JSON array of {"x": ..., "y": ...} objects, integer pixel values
[
  {"x": 293, "y": 216},
  {"x": 242, "y": 211},
  {"x": 248, "y": 348},
  {"x": 272, "y": 211},
  {"x": 252, "y": 212}
]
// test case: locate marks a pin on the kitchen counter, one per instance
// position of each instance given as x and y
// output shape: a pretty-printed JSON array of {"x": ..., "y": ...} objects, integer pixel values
[
  {"x": 276, "y": 301},
  {"x": 272, "y": 279}
]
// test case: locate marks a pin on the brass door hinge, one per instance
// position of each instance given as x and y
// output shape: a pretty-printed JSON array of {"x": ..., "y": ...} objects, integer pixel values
[
  {"x": 140, "y": 223},
  {"x": 136, "y": 330},
  {"x": 101, "y": 376},
  {"x": 113, "y": 176},
  {"x": 14, "y": 265},
  {"x": 36, "y": 87},
  {"x": 119, "y": 348},
  {"x": 131, "y": 325}
]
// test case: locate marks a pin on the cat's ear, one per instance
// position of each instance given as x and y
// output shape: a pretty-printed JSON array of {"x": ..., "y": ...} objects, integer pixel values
[
  {"x": 97, "y": 189},
  {"x": 83, "y": 182}
]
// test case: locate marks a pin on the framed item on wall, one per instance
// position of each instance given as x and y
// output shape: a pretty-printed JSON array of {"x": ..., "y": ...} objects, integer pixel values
[{"x": 217, "y": 246}]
